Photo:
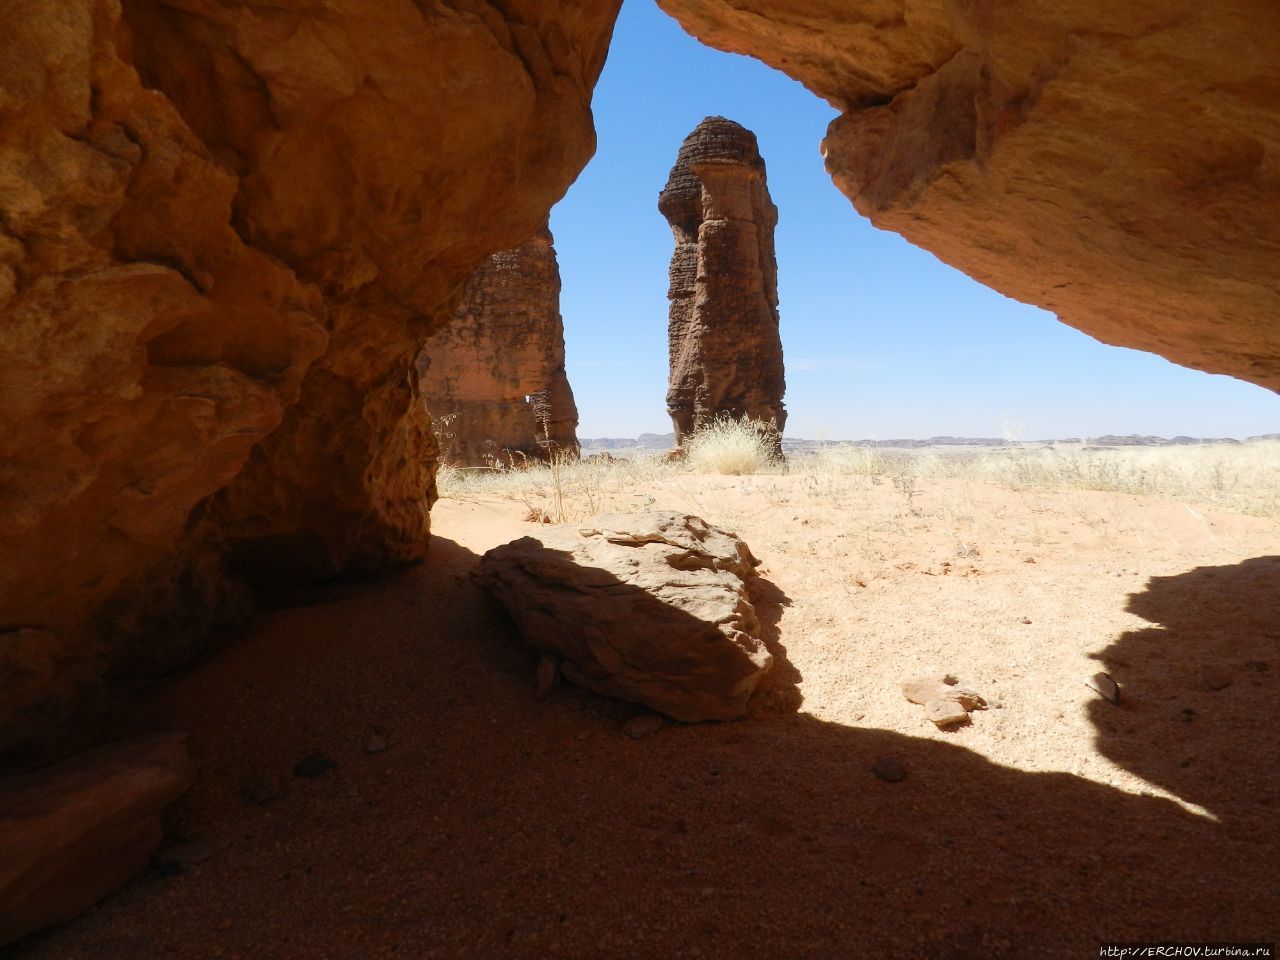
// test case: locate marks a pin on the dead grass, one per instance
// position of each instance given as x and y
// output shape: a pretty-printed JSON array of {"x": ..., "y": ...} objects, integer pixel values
[
  {"x": 733, "y": 448},
  {"x": 1242, "y": 478}
]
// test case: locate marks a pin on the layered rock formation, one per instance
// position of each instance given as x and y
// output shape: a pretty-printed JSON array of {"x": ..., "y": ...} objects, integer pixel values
[
  {"x": 1114, "y": 161},
  {"x": 227, "y": 229},
  {"x": 726, "y": 355},
  {"x": 76, "y": 831},
  {"x": 648, "y": 607},
  {"x": 494, "y": 377}
]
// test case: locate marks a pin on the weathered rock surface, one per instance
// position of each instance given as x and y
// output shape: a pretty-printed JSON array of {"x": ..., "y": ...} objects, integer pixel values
[
  {"x": 494, "y": 377},
  {"x": 226, "y": 230},
  {"x": 74, "y": 832},
  {"x": 1114, "y": 161},
  {"x": 725, "y": 351},
  {"x": 647, "y": 607}
]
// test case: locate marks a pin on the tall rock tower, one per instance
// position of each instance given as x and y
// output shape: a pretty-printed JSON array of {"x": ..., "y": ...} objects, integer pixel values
[
  {"x": 494, "y": 378},
  {"x": 726, "y": 355}
]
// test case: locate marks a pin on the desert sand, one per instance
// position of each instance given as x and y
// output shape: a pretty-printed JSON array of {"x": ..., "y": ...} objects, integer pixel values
[{"x": 493, "y": 825}]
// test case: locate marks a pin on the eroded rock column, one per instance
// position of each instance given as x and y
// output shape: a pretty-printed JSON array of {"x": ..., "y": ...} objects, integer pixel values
[
  {"x": 494, "y": 378},
  {"x": 1117, "y": 163},
  {"x": 725, "y": 351}
]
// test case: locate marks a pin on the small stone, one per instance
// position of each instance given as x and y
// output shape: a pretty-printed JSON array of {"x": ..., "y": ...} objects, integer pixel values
[
  {"x": 890, "y": 769},
  {"x": 965, "y": 697},
  {"x": 313, "y": 765},
  {"x": 177, "y": 859},
  {"x": 995, "y": 704},
  {"x": 1105, "y": 687},
  {"x": 375, "y": 743},
  {"x": 545, "y": 679},
  {"x": 924, "y": 689},
  {"x": 1186, "y": 714},
  {"x": 644, "y": 725},
  {"x": 1025, "y": 620},
  {"x": 260, "y": 789},
  {"x": 1215, "y": 678},
  {"x": 947, "y": 714}
]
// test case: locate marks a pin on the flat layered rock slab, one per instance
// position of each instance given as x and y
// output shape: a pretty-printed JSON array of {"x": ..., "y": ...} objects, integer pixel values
[
  {"x": 647, "y": 607},
  {"x": 76, "y": 831}
]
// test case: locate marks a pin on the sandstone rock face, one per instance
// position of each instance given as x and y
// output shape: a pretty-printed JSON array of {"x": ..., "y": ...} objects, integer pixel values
[
  {"x": 494, "y": 377},
  {"x": 726, "y": 355},
  {"x": 1114, "y": 161},
  {"x": 76, "y": 831},
  {"x": 648, "y": 607},
  {"x": 227, "y": 229}
]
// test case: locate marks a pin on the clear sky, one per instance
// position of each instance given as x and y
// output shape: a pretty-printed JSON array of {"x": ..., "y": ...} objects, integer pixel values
[{"x": 881, "y": 339}]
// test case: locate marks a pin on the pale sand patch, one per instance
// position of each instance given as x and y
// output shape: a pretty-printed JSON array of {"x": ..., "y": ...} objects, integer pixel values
[{"x": 494, "y": 826}]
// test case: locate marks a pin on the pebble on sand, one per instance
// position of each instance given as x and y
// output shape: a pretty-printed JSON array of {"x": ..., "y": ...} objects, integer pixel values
[
  {"x": 947, "y": 714},
  {"x": 1105, "y": 687},
  {"x": 313, "y": 765},
  {"x": 642, "y": 726},
  {"x": 1215, "y": 677},
  {"x": 889, "y": 769}
]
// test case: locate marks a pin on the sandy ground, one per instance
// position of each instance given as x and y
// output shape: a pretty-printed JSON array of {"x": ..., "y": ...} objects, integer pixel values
[{"x": 496, "y": 826}]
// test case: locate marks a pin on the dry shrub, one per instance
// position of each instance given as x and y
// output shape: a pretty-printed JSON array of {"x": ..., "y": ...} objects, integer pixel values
[{"x": 734, "y": 447}]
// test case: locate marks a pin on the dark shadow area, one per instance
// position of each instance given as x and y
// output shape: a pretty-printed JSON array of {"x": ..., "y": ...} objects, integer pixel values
[
  {"x": 1200, "y": 688},
  {"x": 493, "y": 826},
  {"x": 779, "y": 689}
]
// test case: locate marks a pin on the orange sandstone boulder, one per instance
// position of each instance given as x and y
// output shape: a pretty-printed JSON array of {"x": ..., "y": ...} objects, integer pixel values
[
  {"x": 74, "y": 832},
  {"x": 227, "y": 231},
  {"x": 647, "y": 607}
]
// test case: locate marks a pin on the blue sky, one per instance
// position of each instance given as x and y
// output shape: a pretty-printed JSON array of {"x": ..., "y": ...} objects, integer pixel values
[{"x": 881, "y": 340}]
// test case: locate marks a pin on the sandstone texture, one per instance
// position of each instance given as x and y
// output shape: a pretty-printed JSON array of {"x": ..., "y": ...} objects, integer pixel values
[
  {"x": 494, "y": 377},
  {"x": 1114, "y": 161},
  {"x": 647, "y": 607},
  {"x": 76, "y": 831},
  {"x": 726, "y": 355},
  {"x": 226, "y": 230}
]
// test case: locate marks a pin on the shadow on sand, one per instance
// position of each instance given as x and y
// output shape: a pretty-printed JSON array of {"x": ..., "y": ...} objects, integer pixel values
[{"x": 494, "y": 826}]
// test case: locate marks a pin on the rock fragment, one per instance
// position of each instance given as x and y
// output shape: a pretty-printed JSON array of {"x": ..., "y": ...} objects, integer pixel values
[
  {"x": 74, "y": 832},
  {"x": 1105, "y": 687},
  {"x": 647, "y": 607},
  {"x": 947, "y": 704},
  {"x": 646, "y": 724},
  {"x": 544, "y": 680},
  {"x": 313, "y": 765},
  {"x": 890, "y": 769},
  {"x": 1215, "y": 678},
  {"x": 967, "y": 698},
  {"x": 947, "y": 714},
  {"x": 923, "y": 689},
  {"x": 260, "y": 788}
]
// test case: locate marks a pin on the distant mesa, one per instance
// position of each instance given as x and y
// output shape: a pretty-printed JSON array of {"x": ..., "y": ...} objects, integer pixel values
[
  {"x": 494, "y": 380},
  {"x": 725, "y": 350}
]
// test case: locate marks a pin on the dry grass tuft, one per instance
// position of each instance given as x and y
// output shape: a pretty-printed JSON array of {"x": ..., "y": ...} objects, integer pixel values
[{"x": 733, "y": 447}]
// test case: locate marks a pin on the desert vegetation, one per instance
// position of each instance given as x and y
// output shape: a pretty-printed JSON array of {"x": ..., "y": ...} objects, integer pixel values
[{"x": 1242, "y": 478}]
